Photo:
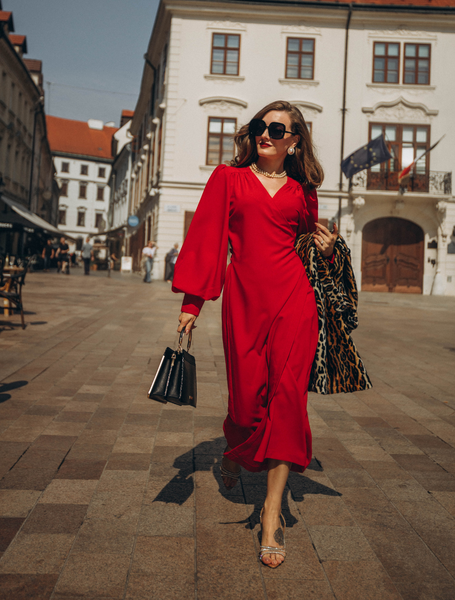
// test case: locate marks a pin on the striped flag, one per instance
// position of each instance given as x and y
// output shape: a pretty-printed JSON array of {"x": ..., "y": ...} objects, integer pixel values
[{"x": 405, "y": 175}]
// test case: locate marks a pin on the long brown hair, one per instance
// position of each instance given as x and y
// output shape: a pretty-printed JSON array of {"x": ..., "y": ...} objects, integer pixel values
[{"x": 303, "y": 166}]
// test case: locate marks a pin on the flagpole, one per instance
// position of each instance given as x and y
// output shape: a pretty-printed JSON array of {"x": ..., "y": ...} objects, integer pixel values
[{"x": 343, "y": 112}]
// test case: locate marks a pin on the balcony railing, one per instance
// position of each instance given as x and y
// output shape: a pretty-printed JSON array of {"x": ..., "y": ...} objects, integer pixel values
[{"x": 433, "y": 182}]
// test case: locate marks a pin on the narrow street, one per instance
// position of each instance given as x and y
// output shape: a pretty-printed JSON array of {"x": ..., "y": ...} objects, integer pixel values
[{"x": 105, "y": 494}]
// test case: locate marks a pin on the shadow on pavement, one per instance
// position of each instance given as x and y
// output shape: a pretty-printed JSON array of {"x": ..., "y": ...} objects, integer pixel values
[
  {"x": 7, "y": 387},
  {"x": 9, "y": 325},
  {"x": 251, "y": 489}
]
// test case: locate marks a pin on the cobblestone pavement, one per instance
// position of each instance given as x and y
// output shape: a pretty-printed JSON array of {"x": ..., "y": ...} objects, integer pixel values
[{"x": 107, "y": 495}]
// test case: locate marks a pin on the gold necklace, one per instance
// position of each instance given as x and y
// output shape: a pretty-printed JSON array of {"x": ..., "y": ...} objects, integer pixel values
[{"x": 273, "y": 175}]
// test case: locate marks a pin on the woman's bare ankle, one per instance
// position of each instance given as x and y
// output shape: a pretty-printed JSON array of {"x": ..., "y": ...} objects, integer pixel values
[{"x": 272, "y": 508}]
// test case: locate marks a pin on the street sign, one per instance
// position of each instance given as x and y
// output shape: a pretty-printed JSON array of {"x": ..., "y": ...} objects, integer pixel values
[{"x": 133, "y": 221}]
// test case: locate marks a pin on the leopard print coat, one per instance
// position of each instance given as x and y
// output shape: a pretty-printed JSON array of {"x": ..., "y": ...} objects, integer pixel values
[{"x": 337, "y": 366}]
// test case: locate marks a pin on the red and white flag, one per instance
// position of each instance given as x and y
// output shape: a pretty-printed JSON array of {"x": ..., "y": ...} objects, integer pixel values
[{"x": 405, "y": 174}]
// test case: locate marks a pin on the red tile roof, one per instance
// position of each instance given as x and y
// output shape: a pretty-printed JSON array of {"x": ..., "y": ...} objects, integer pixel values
[
  {"x": 416, "y": 3},
  {"x": 76, "y": 137},
  {"x": 7, "y": 19},
  {"x": 14, "y": 38},
  {"x": 5, "y": 16},
  {"x": 33, "y": 65},
  {"x": 19, "y": 40},
  {"x": 383, "y": 3},
  {"x": 128, "y": 113}
]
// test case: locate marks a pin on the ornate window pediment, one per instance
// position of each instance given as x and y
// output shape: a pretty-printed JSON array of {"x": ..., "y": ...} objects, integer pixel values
[
  {"x": 400, "y": 109},
  {"x": 226, "y": 26},
  {"x": 223, "y": 103},
  {"x": 402, "y": 32},
  {"x": 308, "y": 109},
  {"x": 301, "y": 30}
]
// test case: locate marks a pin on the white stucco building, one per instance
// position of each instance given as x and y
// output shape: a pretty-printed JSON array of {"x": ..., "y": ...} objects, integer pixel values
[
  {"x": 384, "y": 67},
  {"x": 82, "y": 154},
  {"x": 120, "y": 185}
]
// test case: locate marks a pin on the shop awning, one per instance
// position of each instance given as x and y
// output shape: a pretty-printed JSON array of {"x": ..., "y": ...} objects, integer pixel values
[
  {"x": 32, "y": 220},
  {"x": 115, "y": 230}
]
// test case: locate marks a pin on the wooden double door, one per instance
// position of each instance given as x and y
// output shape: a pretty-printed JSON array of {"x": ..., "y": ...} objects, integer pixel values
[{"x": 392, "y": 256}]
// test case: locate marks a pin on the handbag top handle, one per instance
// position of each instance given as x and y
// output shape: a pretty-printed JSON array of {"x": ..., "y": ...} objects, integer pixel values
[{"x": 190, "y": 339}]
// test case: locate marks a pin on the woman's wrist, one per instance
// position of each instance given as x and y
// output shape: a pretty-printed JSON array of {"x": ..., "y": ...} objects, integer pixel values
[{"x": 192, "y": 304}]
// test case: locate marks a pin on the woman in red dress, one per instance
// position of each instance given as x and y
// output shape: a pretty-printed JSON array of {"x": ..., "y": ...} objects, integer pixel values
[{"x": 258, "y": 206}]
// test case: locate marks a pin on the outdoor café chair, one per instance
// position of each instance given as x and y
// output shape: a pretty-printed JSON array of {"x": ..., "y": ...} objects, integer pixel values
[{"x": 12, "y": 291}]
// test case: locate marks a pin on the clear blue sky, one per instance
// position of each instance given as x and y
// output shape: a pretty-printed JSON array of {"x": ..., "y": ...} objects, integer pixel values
[{"x": 95, "y": 44}]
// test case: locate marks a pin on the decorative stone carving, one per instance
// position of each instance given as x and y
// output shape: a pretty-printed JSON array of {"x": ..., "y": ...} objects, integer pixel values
[
  {"x": 358, "y": 203},
  {"x": 360, "y": 180},
  {"x": 299, "y": 84},
  {"x": 401, "y": 31},
  {"x": 302, "y": 105},
  {"x": 302, "y": 29},
  {"x": 223, "y": 102},
  {"x": 441, "y": 207},
  {"x": 400, "y": 109},
  {"x": 223, "y": 25},
  {"x": 226, "y": 79},
  {"x": 412, "y": 90}
]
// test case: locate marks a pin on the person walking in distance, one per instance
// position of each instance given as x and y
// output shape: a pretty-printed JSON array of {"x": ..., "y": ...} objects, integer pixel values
[
  {"x": 47, "y": 255},
  {"x": 149, "y": 254},
  {"x": 170, "y": 260},
  {"x": 259, "y": 205},
  {"x": 87, "y": 255},
  {"x": 63, "y": 257}
]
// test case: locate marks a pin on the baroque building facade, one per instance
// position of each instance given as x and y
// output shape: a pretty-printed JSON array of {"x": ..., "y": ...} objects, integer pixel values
[
  {"x": 120, "y": 185},
  {"x": 82, "y": 154},
  {"x": 354, "y": 72},
  {"x": 28, "y": 192}
]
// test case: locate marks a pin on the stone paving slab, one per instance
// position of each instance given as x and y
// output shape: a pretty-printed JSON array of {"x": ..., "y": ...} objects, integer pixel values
[{"x": 107, "y": 495}]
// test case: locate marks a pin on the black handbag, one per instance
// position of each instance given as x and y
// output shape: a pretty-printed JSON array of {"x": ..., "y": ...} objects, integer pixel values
[{"x": 175, "y": 380}]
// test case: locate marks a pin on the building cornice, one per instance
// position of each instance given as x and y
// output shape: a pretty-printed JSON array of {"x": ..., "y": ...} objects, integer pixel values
[{"x": 292, "y": 10}]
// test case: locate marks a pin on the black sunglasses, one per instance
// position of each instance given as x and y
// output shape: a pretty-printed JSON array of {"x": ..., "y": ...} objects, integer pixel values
[{"x": 276, "y": 130}]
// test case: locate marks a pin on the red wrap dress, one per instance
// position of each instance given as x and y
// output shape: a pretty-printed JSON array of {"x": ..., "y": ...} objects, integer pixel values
[{"x": 270, "y": 323}]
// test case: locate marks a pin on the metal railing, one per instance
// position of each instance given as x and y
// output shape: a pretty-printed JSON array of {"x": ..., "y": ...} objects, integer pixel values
[{"x": 432, "y": 182}]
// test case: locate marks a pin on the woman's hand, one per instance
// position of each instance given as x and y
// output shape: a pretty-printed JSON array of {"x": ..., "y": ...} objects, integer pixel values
[
  {"x": 325, "y": 239},
  {"x": 186, "y": 321}
]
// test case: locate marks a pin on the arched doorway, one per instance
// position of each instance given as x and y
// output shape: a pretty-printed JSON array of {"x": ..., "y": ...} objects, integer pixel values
[{"x": 392, "y": 256}]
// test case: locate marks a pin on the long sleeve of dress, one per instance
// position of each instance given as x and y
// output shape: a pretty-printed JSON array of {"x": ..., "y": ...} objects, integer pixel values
[
  {"x": 311, "y": 197},
  {"x": 200, "y": 269}
]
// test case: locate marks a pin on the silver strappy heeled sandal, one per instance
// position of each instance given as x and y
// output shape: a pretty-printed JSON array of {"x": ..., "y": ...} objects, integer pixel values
[{"x": 281, "y": 550}]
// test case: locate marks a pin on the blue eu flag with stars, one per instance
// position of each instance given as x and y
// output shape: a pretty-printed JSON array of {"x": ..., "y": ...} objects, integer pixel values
[{"x": 373, "y": 153}]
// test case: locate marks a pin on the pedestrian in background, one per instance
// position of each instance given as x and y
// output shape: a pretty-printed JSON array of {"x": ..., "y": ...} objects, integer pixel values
[
  {"x": 87, "y": 255},
  {"x": 171, "y": 259},
  {"x": 47, "y": 254},
  {"x": 149, "y": 254},
  {"x": 63, "y": 257}
]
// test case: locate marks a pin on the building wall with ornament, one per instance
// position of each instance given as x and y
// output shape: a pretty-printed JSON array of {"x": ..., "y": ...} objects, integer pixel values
[
  {"x": 195, "y": 95},
  {"x": 82, "y": 154}
]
